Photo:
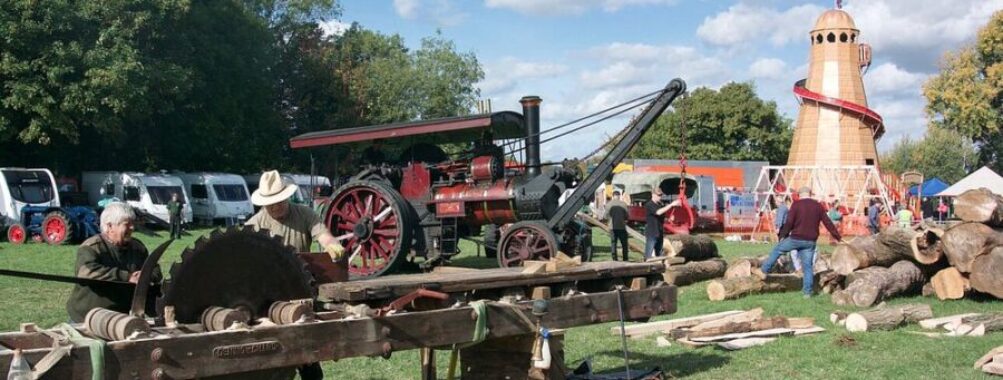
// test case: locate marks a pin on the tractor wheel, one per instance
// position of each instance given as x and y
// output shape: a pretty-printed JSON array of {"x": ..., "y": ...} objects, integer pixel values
[
  {"x": 16, "y": 234},
  {"x": 57, "y": 228},
  {"x": 526, "y": 241},
  {"x": 374, "y": 223},
  {"x": 492, "y": 234}
]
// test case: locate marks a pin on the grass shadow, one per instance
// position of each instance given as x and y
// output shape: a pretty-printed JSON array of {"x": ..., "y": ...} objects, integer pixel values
[{"x": 674, "y": 365}]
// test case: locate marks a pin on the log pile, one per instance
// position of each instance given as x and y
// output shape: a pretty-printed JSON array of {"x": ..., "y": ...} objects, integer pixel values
[
  {"x": 731, "y": 330},
  {"x": 973, "y": 250}
]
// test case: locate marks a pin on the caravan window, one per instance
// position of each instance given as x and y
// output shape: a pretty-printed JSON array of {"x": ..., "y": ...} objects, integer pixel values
[
  {"x": 29, "y": 186},
  {"x": 230, "y": 193},
  {"x": 109, "y": 189},
  {"x": 131, "y": 193},
  {"x": 199, "y": 192},
  {"x": 160, "y": 195}
]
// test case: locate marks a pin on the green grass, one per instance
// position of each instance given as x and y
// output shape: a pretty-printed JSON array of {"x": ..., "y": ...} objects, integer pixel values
[{"x": 835, "y": 354}]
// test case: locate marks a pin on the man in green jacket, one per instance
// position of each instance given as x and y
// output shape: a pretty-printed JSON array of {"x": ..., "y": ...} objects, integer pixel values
[
  {"x": 112, "y": 255},
  {"x": 174, "y": 207}
]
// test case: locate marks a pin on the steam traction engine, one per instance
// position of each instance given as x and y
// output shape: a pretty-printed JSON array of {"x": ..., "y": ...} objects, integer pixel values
[{"x": 420, "y": 204}]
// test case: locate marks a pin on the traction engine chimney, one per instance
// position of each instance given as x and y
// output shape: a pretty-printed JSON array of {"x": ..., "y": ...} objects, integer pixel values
[{"x": 531, "y": 113}]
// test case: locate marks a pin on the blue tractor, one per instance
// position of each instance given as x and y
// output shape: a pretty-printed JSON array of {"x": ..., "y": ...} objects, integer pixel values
[{"x": 54, "y": 225}]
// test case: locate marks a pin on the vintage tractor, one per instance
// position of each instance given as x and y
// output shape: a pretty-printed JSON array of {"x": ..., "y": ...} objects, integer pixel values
[
  {"x": 421, "y": 202},
  {"x": 54, "y": 225}
]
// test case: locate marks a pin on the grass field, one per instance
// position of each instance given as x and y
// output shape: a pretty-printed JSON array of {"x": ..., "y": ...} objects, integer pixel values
[{"x": 835, "y": 354}]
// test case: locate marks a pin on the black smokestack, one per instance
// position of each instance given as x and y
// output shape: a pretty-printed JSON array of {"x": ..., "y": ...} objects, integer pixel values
[{"x": 531, "y": 112}]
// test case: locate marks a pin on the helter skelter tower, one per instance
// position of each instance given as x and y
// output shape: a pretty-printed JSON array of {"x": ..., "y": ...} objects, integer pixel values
[{"x": 833, "y": 151}]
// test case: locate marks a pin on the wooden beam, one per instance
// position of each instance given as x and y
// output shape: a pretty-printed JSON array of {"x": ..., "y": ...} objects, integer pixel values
[{"x": 644, "y": 329}]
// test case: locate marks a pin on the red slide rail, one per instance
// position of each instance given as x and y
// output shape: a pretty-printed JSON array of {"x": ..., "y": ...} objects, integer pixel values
[{"x": 867, "y": 115}]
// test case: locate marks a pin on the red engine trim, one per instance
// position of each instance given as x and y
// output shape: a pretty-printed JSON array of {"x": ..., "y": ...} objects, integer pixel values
[{"x": 490, "y": 203}]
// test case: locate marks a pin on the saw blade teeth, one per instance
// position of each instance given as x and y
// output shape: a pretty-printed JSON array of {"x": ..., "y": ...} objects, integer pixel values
[{"x": 215, "y": 233}]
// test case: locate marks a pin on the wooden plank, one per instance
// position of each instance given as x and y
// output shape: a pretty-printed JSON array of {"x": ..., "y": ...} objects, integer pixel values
[
  {"x": 933, "y": 323},
  {"x": 227, "y": 352},
  {"x": 739, "y": 344},
  {"x": 398, "y": 285},
  {"x": 809, "y": 330},
  {"x": 445, "y": 269},
  {"x": 534, "y": 267},
  {"x": 748, "y": 316},
  {"x": 753, "y": 334},
  {"x": 650, "y": 328},
  {"x": 988, "y": 357}
]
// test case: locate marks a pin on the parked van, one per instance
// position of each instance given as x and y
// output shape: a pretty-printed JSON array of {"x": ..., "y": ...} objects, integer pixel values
[
  {"x": 147, "y": 192},
  {"x": 218, "y": 198},
  {"x": 21, "y": 187}
]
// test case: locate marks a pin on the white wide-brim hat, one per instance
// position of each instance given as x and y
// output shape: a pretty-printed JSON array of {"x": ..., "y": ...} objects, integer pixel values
[{"x": 272, "y": 190}]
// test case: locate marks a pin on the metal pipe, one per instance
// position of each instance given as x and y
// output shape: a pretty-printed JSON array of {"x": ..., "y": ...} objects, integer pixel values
[{"x": 531, "y": 114}]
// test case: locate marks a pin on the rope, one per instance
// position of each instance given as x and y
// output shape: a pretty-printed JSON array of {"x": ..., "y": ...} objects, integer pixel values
[
  {"x": 96, "y": 349},
  {"x": 480, "y": 333}
]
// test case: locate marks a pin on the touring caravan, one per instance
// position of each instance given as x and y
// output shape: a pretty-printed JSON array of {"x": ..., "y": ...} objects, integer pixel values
[
  {"x": 220, "y": 198},
  {"x": 147, "y": 192},
  {"x": 312, "y": 186},
  {"x": 20, "y": 187},
  {"x": 301, "y": 196}
]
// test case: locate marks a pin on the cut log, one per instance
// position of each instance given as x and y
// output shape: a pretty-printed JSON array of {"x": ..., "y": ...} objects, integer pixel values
[
  {"x": 740, "y": 344},
  {"x": 949, "y": 284},
  {"x": 838, "y": 317},
  {"x": 988, "y": 357},
  {"x": 928, "y": 290},
  {"x": 993, "y": 368},
  {"x": 694, "y": 271},
  {"x": 884, "y": 249},
  {"x": 748, "y": 316},
  {"x": 732, "y": 288},
  {"x": 887, "y": 317},
  {"x": 980, "y": 206},
  {"x": 991, "y": 322},
  {"x": 727, "y": 337},
  {"x": 880, "y": 284},
  {"x": 742, "y": 267},
  {"x": 749, "y": 326},
  {"x": 966, "y": 241},
  {"x": 987, "y": 273},
  {"x": 644, "y": 329},
  {"x": 830, "y": 282},
  {"x": 926, "y": 247},
  {"x": 691, "y": 247},
  {"x": 933, "y": 323}
]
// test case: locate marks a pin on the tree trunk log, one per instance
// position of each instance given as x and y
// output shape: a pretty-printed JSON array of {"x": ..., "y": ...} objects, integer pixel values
[
  {"x": 966, "y": 241},
  {"x": 831, "y": 282},
  {"x": 719, "y": 290},
  {"x": 735, "y": 327},
  {"x": 928, "y": 290},
  {"x": 950, "y": 284},
  {"x": 881, "y": 284},
  {"x": 691, "y": 247},
  {"x": 887, "y": 317},
  {"x": 980, "y": 206},
  {"x": 926, "y": 247},
  {"x": 742, "y": 267},
  {"x": 992, "y": 321},
  {"x": 695, "y": 271},
  {"x": 987, "y": 273},
  {"x": 883, "y": 249}
]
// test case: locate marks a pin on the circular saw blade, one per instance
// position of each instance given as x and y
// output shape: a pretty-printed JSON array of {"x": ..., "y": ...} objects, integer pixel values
[{"x": 240, "y": 268}]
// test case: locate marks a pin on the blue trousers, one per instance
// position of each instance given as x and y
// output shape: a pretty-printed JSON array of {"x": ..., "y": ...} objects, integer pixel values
[
  {"x": 652, "y": 247},
  {"x": 806, "y": 254}
]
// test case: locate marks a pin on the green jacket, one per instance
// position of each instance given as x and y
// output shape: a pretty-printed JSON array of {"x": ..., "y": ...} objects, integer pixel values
[
  {"x": 97, "y": 259},
  {"x": 174, "y": 209}
]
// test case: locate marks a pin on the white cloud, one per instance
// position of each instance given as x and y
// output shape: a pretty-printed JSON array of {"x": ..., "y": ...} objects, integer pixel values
[
  {"x": 635, "y": 64},
  {"x": 889, "y": 78},
  {"x": 565, "y": 7},
  {"x": 334, "y": 27},
  {"x": 768, "y": 68},
  {"x": 503, "y": 75},
  {"x": 743, "y": 23},
  {"x": 439, "y": 12}
]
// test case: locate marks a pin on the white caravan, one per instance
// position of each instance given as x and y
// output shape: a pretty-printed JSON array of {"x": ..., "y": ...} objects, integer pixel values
[
  {"x": 301, "y": 196},
  {"x": 147, "y": 192},
  {"x": 21, "y": 187},
  {"x": 312, "y": 186},
  {"x": 218, "y": 197}
]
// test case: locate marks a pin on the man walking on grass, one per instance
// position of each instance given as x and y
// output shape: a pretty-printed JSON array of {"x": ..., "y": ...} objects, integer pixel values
[{"x": 800, "y": 233}]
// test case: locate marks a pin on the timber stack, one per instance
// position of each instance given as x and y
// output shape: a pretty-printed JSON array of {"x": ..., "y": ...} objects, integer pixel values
[{"x": 731, "y": 330}]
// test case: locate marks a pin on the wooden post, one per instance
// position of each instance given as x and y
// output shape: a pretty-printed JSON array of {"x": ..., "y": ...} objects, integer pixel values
[{"x": 427, "y": 357}]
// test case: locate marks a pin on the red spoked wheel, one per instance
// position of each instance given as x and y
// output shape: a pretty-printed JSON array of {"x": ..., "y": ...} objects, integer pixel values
[
  {"x": 56, "y": 228},
  {"x": 375, "y": 225},
  {"x": 16, "y": 234},
  {"x": 526, "y": 241}
]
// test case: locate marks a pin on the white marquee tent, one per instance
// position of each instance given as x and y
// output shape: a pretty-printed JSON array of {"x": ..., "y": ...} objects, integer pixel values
[{"x": 983, "y": 177}]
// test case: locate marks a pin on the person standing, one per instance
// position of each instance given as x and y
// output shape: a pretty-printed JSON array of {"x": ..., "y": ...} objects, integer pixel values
[
  {"x": 112, "y": 255},
  {"x": 174, "y": 207},
  {"x": 904, "y": 217},
  {"x": 782, "y": 210},
  {"x": 616, "y": 212},
  {"x": 800, "y": 233},
  {"x": 654, "y": 211},
  {"x": 941, "y": 210},
  {"x": 297, "y": 225},
  {"x": 873, "y": 223}
]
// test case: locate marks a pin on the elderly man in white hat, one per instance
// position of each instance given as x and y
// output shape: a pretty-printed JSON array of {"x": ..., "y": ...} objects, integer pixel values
[{"x": 297, "y": 225}]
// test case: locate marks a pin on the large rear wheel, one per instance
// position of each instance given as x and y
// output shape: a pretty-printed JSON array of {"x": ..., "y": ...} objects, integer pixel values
[
  {"x": 56, "y": 228},
  {"x": 526, "y": 241},
  {"x": 374, "y": 223}
]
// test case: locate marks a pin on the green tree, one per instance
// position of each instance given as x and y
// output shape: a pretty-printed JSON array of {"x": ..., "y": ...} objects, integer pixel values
[
  {"x": 901, "y": 158},
  {"x": 967, "y": 95},
  {"x": 942, "y": 153},
  {"x": 732, "y": 123}
]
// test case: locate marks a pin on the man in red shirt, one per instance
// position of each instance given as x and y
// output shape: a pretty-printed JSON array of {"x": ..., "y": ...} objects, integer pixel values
[{"x": 799, "y": 233}]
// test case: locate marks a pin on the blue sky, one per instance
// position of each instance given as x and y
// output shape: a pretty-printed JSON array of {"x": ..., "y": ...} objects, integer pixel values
[{"x": 581, "y": 56}]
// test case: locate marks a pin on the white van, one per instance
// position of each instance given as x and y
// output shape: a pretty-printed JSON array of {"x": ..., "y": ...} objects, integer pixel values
[
  {"x": 147, "y": 192},
  {"x": 21, "y": 187},
  {"x": 218, "y": 197},
  {"x": 312, "y": 186}
]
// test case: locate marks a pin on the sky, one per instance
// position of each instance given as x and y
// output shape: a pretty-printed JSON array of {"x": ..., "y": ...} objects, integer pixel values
[{"x": 582, "y": 56}]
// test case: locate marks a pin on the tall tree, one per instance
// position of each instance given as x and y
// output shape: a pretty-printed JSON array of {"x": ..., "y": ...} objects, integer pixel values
[
  {"x": 942, "y": 153},
  {"x": 732, "y": 123},
  {"x": 967, "y": 95}
]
